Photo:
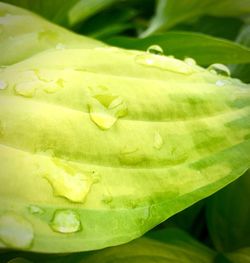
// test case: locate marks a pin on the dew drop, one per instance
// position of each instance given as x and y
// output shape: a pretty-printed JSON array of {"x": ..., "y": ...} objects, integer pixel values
[
  {"x": 102, "y": 120},
  {"x": 66, "y": 221},
  {"x": 158, "y": 141},
  {"x": 220, "y": 83},
  {"x": 105, "y": 109},
  {"x": 53, "y": 86},
  {"x": 155, "y": 49},
  {"x": 33, "y": 209},
  {"x": 60, "y": 46},
  {"x": 219, "y": 69},
  {"x": 26, "y": 89},
  {"x": 15, "y": 231},
  {"x": 190, "y": 61},
  {"x": 68, "y": 182},
  {"x": 3, "y": 85},
  {"x": 164, "y": 63}
]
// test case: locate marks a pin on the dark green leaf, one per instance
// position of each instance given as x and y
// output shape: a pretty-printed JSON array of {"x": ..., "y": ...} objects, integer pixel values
[
  {"x": 243, "y": 71},
  {"x": 228, "y": 215},
  {"x": 240, "y": 256},
  {"x": 205, "y": 49},
  {"x": 171, "y": 12}
]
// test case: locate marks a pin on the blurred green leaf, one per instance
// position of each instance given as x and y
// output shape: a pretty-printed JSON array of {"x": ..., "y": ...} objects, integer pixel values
[
  {"x": 243, "y": 71},
  {"x": 170, "y": 12},
  {"x": 86, "y": 8},
  {"x": 109, "y": 22},
  {"x": 182, "y": 250},
  {"x": 240, "y": 256},
  {"x": 213, "y": 26},
  {"x": 55, "y": 10},
  {"x": 228, "y": 215},
  {"x": 205, "y": 49}
]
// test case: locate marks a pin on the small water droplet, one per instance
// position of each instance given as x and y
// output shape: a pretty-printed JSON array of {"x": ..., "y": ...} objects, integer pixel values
[
  {"x": 220, "y": 83},
  {"x": 164, "y": 63},
  {"x": 3, "y": 85},
  {"x": 33, "y": 209},
  {"x": 105, "y": 109},
  {"x": 219, "y": 69},
  {"x": 15, "y": 231},
  {"x": 66, "y": 221},
  {"x": 69, "y": 182},
  {"x": 60, "y": 46},
  {"x": 26, "y": 89},
  {"x": 155, "y": 49},
  {"x": 158, "y": 141},
  {"x": 190, "y": 61},
  {"x": 54, "y": 86}
]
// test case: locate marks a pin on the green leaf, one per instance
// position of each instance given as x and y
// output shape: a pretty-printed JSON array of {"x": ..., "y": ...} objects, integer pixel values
[
  {"x": 228, "y": 216},
  {"x": 204, "y": 49},
  {"x": 88, "y": 161},
  {"x": 242, "y": 71},
  {"x": 240, "y": 256},
  {"x": 170, "y": 12},
  {"x": 56, "y": 10},
  {"x": 86, "y": 8},
  {"x": 24, "y": 34},
  {"x": 183, "y": 250}
]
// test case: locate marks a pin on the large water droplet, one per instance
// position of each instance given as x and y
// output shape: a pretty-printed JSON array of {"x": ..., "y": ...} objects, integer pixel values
[
  {"x": 155, "y": 49},
  {"x": 66, "y": 221},
  {"x": 3, "y": 85},
  {"x": 164, "y": 63},
  {"x": 69, "y": 182},
  {"x": 33, "y": 209},
  {"x": 190, "y": 61},
  {"x": 219, "y": 69},
  {"x": 60, "y": 46},
  {"x": 220, "y": 83},
  {"x": 105, "y": 109},
  {"x": 15, "y": 231},
  {"x": 26, "y": 89},
  {"x": 158, "y": 141}
]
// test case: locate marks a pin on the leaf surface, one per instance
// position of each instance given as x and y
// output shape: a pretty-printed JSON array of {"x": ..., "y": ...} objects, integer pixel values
[{"x": 99, "y": 144}]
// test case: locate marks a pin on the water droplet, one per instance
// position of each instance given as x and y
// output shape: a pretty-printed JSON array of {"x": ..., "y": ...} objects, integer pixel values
[
  {"x": 26, "y": 89},
  {"x": 15, "y": 231},
  {"x": 60, "y": 46},
  {"x": 66, "y": 221},
  {"x": 33, "y": 209},
  {"x": 47, "y": 35},
  {"x": 3, "y": 85},
  {"x": 158, "y": 141},
  {"x": 190, "y": 61},
  {"x": 155, "y": 49},
  {"x": 103, "y": 120},
  {"x": 220, "y": 83},
  {"x": 105, "y": 109},
  {"x": 164, "y": 63},
  {"x": 54, "y": 86},
  {"x": 69, "y": 182},
  {"x": 219, "y": 69}
]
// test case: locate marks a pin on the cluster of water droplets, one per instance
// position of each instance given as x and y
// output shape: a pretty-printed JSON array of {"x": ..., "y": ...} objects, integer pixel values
[{"x": 154, "y": 57}]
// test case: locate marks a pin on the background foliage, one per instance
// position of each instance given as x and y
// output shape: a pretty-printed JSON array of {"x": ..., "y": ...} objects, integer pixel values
[{"x": 216, "y": 229}]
